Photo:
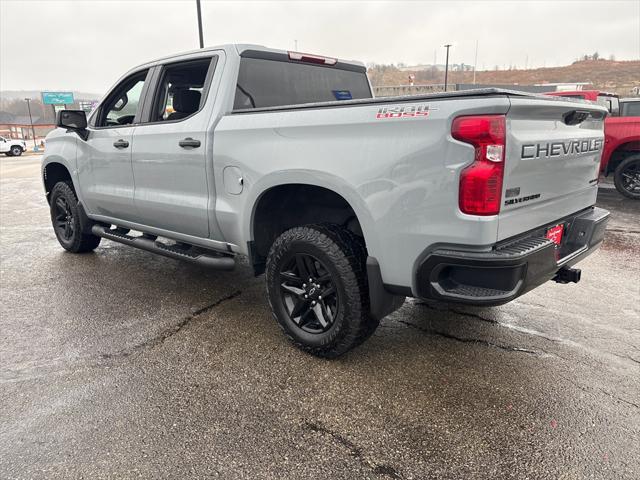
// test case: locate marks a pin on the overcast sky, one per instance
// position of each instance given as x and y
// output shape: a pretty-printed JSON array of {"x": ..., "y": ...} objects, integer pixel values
[{"x": 86, "y": 45}]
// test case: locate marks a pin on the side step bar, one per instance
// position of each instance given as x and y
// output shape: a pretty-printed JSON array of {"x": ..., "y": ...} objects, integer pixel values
[{"x": 149, "y": 243}]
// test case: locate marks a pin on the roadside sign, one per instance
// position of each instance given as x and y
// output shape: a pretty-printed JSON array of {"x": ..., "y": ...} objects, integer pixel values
[
  {"x": 57, "y": 98},
  {"x": 87, "y": 105}
]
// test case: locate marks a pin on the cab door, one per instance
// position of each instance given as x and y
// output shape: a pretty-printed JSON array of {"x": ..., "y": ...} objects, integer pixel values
[
  {"x": 169, "y": 157},
  {"x": 104, "y": 159}
]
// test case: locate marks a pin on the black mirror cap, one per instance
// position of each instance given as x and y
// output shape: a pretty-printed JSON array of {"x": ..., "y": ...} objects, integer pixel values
[{"x": 72, "y": 119}]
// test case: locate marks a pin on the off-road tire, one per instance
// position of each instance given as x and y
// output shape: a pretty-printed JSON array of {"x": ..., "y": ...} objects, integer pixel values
[
  {"x": 344, "y": 255},
  {"x": 77, "y": 242},
  {"x": 633, "y": 160},
  {"x": 16, "y": 151}
]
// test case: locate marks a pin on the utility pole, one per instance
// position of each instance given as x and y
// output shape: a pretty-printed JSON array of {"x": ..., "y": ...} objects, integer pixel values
[
  {"x": 200, "y": 23},
  {"x": 295, "y": 42},
  {"x": 446, "y": 67},
  {"x": 33, "y": 130},
  {"x": 475, "y": 64}
]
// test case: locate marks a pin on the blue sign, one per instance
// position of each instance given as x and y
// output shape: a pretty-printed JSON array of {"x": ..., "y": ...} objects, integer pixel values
[
  {"x": 57, "y": 98},
  {"x": 342, "y": 94}
]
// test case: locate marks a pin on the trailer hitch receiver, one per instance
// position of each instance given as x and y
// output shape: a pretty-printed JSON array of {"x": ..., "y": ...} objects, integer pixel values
[{"x": 568, "y": 275}]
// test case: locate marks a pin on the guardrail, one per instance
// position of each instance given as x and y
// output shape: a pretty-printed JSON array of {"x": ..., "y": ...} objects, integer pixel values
[{"x": 398, "y": 90}]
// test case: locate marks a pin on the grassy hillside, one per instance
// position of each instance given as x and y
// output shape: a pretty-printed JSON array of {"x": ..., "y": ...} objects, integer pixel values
[{"x": 607, "y": 75}]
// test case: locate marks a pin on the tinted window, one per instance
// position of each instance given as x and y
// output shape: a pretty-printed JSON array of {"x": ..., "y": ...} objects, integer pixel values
[
  {"x": 269, "y": 83},
  {"x": 123, "y": 104},
  {"x": 630, "y": 109},
  {"x": 180, "y": 90}
]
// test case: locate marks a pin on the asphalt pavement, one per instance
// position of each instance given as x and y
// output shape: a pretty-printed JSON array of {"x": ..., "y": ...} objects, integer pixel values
[{"x": 122, "y": 364}]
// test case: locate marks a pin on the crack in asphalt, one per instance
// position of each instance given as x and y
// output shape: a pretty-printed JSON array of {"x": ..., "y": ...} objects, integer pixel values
[
  {"x": 459, "y": 312},
  {"x": 628, "y": 357},
  {"x": 354, "y": 451},
  {"x": 486, "y": 343},
  {"x": 519, "y": 329},
  {"x": 593, "y": 392},
  {"x": 476, "y": 316},
  {"x": 615, "y": 397},
  {"x": 621, "y": 230},
  {"x": 171, "y": 331}
]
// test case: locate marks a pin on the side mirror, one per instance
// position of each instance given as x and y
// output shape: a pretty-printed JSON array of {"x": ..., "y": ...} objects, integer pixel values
[{"x": 75, "y": 120}]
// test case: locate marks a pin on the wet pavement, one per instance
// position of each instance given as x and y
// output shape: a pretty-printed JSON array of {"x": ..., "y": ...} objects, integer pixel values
[{"x": 123, "y": 364}]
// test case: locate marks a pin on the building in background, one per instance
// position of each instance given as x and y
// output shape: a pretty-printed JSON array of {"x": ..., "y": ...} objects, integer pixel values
[
  {"x": 14, "y": 112},
  {"x": 19, "y": 127}
]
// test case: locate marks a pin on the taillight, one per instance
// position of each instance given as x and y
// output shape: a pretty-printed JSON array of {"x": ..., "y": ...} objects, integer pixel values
[{"x": 481, "y": 182}]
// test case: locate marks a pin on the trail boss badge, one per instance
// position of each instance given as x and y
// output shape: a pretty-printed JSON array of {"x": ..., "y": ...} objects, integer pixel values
[{"x": 404, "y": 111}]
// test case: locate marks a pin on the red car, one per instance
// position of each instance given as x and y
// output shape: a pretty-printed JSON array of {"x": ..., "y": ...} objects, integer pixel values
[{"x": 621, "y": 154}]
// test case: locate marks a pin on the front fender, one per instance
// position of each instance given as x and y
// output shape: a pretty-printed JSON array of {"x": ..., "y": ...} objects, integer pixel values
[{"x": 62, "y": 148}]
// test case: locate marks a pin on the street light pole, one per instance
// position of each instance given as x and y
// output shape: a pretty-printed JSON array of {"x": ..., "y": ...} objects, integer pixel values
[
  {"x": 446, "y": 67},
  {"x": 200, "y": 23},
  {"x": 33, "y": 130},
  {"x": 475, "y": 64}
]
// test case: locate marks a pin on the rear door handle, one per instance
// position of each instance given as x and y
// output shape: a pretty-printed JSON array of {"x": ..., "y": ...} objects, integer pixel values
[
  {"x": 121, "y": 143},
  {"x": 189, "y": 142}
]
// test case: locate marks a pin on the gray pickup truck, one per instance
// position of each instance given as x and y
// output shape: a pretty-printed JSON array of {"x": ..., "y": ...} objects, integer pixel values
[{"x": 348, "y": 203}]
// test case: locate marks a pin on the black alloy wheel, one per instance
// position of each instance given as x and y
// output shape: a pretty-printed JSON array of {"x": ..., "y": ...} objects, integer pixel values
[
  {"x": 309, "y": 293},
  {"x": 627, "y": 177},
  {"x": 64, "y": 222}
]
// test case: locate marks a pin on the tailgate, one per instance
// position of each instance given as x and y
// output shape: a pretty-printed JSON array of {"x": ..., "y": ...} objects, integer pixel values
[{"x": 552, "y": 161}]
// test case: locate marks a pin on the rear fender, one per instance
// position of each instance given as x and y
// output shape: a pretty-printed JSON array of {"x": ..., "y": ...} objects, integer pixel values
[
  {"x": 613, "y": 156},
  {"x": 312, "y": 178}
]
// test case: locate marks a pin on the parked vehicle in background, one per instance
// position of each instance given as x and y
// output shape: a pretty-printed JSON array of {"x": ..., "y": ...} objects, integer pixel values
[
  {"x": 630, "y": 107},
  {"x": 608, "y": 100},
  {"x": 621, "y": 155},
  {"x": 11, "y": 147},
  {"x": 348, "y": 203}
]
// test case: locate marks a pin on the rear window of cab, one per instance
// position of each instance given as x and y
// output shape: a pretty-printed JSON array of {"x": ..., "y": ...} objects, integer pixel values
[{"x": 270, "y": 83}]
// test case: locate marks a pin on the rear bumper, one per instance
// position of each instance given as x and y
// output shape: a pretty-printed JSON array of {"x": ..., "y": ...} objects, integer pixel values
[{"x": 512, "y": 267}]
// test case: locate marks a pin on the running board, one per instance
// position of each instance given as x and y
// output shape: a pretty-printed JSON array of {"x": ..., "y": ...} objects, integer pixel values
[{"x": 149, "y": 243}]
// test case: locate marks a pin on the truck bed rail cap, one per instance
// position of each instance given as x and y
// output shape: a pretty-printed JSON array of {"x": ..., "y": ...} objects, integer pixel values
[{"x": 480, "y": 92}]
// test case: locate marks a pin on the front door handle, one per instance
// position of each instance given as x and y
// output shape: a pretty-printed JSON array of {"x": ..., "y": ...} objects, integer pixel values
[
  {"x": 189, "y": 142},
  {"x": 121, "y": 143}
]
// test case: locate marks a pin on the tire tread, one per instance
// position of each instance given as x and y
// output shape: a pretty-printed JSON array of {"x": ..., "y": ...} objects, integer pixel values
[
  {"x": 85, "y": 242},
  {"x": 350, "y": 254}
]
